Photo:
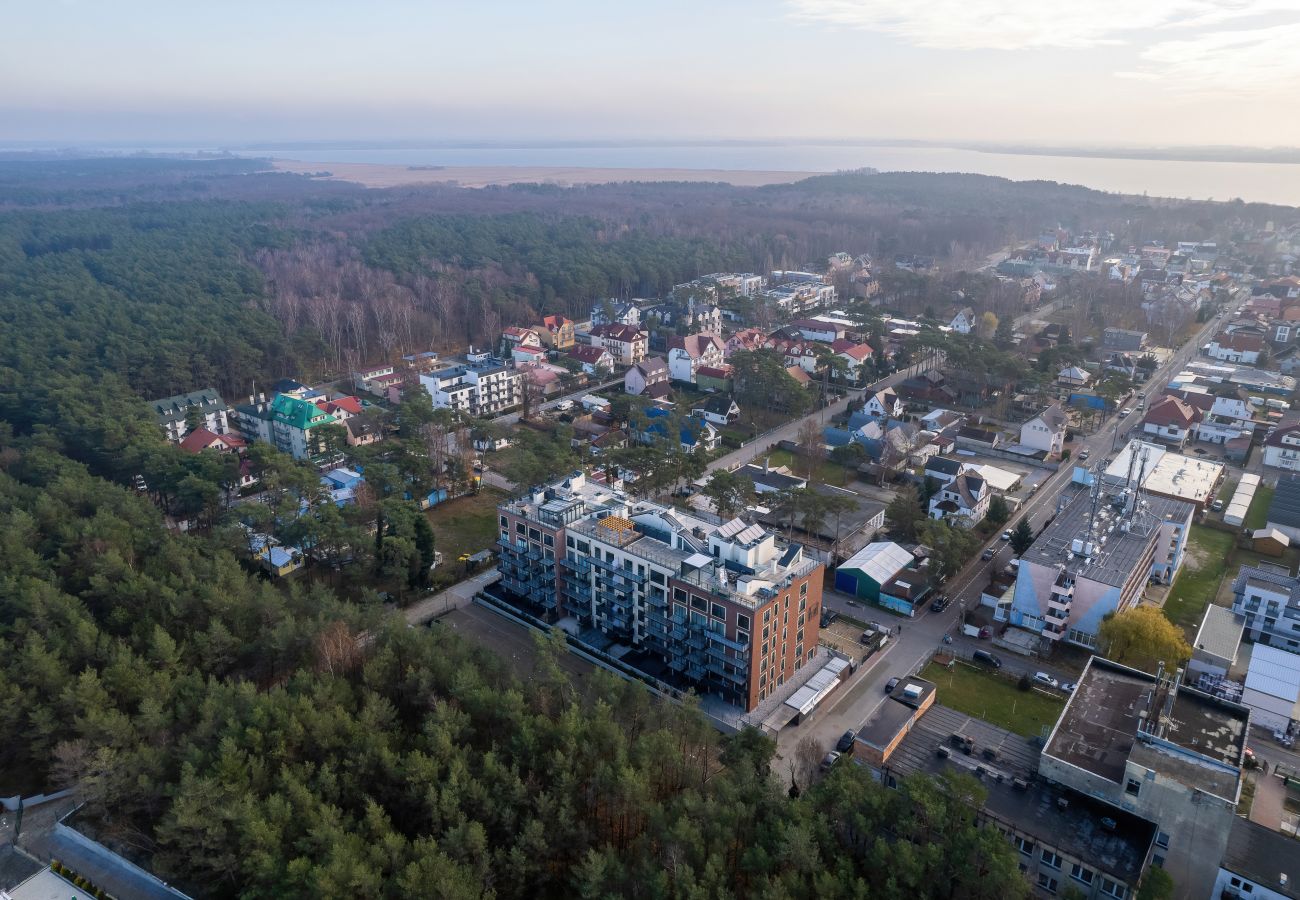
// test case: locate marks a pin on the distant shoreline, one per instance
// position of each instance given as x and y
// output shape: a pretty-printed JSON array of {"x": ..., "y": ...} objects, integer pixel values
[{"x": 384, "y": 175}]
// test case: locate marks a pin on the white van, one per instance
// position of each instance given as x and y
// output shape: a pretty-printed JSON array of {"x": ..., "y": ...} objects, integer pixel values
[{"x": 1277, "y": 404}]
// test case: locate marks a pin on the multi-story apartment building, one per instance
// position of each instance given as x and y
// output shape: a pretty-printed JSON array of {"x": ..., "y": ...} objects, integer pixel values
[
  {"x": 1282, "y": 447},
  {"x": 727, "y": 610},
  {"x": 1105, "y": 543},
  {"x": 482, "y": 387},
  {"x": 1268, "y": 598},
  {"x": 173, "y": 414},
  {"x": 626, "y": 344},
  {"x": 295, "y": 426}
]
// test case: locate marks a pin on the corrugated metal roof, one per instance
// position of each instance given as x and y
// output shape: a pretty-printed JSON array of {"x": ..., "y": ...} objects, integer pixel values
[
  {"x": 880, "y": 561},
  {"x": 1274, "y": 672}
]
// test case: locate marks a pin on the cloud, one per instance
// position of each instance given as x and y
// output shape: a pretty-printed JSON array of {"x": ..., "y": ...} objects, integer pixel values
[
  {"x": 1226, "y": 62},
  {"x": 1018, "y": 25}
]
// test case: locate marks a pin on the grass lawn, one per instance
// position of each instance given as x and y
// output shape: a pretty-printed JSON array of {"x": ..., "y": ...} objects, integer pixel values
[
  {"x": 1207, "y": 558},
  {"x": 995, "y": 699},
  {"x": 1257, "y": 515},
  {"x": 465, "y": 525},
  {"x": 826, "y": 472}
]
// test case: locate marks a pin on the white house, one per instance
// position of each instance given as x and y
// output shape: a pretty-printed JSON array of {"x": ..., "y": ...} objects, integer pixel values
[
  {"x": 626, "y": 344},
  {"x": 687, "y": 354},
  {"x": 594, "y": 360},
  {"x": 1073, "y": 376},
  {"x": 718, "y": 410},
  {"x": 1237, "y": 348},
  {"x": 1258, "y": 863},
  {"x": 963, "y": 322},
  {"x": 883, "y": 405},
  {"x": 1282, "y": 448},
  {"x": 964, "y": 501},
  {"x": 1046, "y": 431},
  {"x": 1170, "y": 420}
]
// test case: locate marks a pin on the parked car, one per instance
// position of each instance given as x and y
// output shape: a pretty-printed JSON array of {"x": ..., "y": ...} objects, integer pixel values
[
  {"x": 891, "y": 684},
  {"x": 989, "y": 659},
  {"x": 1217, "y": 506},
  {"x": 1069, "y": 686},
  {"x": 829, "y": 760},
  {"x": 940, "y": 603},
  {"x": 845, "y": 742},
  {"x": 1044, "y": 678},
  {"x": 1123, "y": 413},
  {"x": 1085, "y": 453},
  {"x": 828, "y": 616},
  {"x": 1006, "y": 535},
  {"x": 988, "y": 553},
  {"x": 564, "y": 405}
]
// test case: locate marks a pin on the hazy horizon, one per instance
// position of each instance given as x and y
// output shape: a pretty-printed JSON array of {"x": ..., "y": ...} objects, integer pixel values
[{"x": 1169, "y": 73}]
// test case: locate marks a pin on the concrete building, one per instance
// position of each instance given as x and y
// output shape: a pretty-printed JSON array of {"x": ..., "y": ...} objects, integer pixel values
[
  {"x": 482, "y": 387},
  {"x": 687, "y": 354},
  {"x": 727, "y": 610},
  {"x": 1218, "y": 638},
  {"x": 557, "y": 332},
  {"x": 1282, "y": 448},
  {"x": 626, "y": 344},
  {"x": 1103, "y": 546},
  {"x": 1268, "y": 598},
  {"x": 296, "y": 424},
  {"x": 172, "y": 413},
  {"x": 1065, "y": 839},
  {"x": 963, "y": 502},
  {"x": 1162, "y": 473},
  {"x": 1258, "y": 864},
  {"x": 1159, "y": 750}
]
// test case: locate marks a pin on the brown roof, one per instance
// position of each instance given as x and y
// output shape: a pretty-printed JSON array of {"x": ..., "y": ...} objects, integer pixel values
[
  {"x": 1171, "y": 411},
  {"x": 799, "y": 375},
  {"x": 623, "y": 333},
  {"x": 1240, "y": 342},
  {"x": 589, "y": 355},
  {"x": 695, "y": 344}
]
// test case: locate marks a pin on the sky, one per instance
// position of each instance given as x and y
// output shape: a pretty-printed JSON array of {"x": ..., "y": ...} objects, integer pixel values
[{"x": 1086, "y": 72}]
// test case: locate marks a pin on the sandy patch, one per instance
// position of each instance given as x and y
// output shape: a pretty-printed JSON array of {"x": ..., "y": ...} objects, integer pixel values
[{"x": 385, "y": 176}]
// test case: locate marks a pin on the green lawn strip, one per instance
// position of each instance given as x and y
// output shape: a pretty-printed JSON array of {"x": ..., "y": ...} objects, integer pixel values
[
  {"x": 995, "y": 699},
  {"x": 465, "y": 525},
  {"x": 1257, "y": 515},
  {"x": 1198, "y": 581}
]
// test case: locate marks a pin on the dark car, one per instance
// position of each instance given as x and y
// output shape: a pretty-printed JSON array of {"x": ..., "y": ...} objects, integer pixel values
[
  {"x": 828, "y": 616},
  {"x": 988, "y": 553},
  {"x": 891, "y": 684},
  {"x": 940, "y": 603},
  {"x": 989, "y": 659},
  {"x": 845, "y": 743}
]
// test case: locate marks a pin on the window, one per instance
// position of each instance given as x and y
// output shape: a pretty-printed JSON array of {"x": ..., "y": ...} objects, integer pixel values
[
  {"x": 1047, "y": 883},
  {"x": 742, "y": 621},
  {"x": 679, "y": 595},
  {"x": 1112, "y": 888},
  {"x": 534, "y": 534},
  {"x": 803, "y": 589},
  {"x": 1050, "y": 859},
  {"x": 1162, "y": 840},
  {"x": 698, "y": 603},
  {"x": 656, "y": 577},
  {"x": 569, "y": 541},
  {"x": 1025, "y": 846},
  {"x": 1079, "y": 873},
  {"x": 718, "y": 611},
  {"x": 504, "y": 522},
  {"x": 1133, "y": 787},
  {"x": 548, "y": 540},
  {"x": 520, "y": 529}
]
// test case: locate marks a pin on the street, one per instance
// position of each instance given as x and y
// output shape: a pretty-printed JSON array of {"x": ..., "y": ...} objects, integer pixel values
[{"x": 921, "y": 636}]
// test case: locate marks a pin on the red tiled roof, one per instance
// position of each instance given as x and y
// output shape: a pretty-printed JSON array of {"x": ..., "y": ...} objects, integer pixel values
[
  {"x": 589, "y": 355},
  {"x": 347, "y": 404},
  {"x": 1239, "y": 342},
  {"x": 625, "y": 334},
  {"x": 1171, "y": 411},
  {"x": 201, "y": 439},
  {"x": 712, "y": 372},
  {"x": 695, "y": 344}
]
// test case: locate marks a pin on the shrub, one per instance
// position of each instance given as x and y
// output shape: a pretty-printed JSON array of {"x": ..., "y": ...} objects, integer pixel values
[{"x": 1024, "y": 683}]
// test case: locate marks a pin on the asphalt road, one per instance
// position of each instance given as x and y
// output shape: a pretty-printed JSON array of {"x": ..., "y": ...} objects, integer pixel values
[{"x": 921, "y": 636}]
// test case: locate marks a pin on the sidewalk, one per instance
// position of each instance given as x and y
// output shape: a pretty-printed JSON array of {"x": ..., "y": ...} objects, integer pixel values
[{"x": 455, "y": 597}]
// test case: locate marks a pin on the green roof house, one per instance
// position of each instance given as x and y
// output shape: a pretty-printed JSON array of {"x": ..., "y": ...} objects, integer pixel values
[{"x": 292, "y": 424}]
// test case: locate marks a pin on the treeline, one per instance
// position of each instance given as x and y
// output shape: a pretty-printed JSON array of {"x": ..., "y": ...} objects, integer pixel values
[{"x": 247, "y": 741}]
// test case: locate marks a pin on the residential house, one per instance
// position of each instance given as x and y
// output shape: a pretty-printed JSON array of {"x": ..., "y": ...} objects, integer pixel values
[
  {"x": 748, "y": 339},
  {"x": 883, "y": 404},
  {"x": 1118, "y": 363},
  {"x": 721, "y": 378},
  {"x": 687, "y": 354},
  {"x": 615, "y": 312},
  {"x": 365, "y": 428},
  {"x": 1258, "y": 864},
  {"x": 696, "y": 314},
  {"x": 772, "y": 479},
  {"x": 296, "y": 426},
  {"x": 961, "y": 320},
  {"x": 818, "y": 330},
  {"x": 1046, "y": 431},
  {"x": 719, "y": 410},
  {"x": 594, "y": 360},
  {"x": 515, "y": 336},
  {"x": 201, "y": 439},
  {"x": 944, "y": 469},
  {"x": 964, "y": 501},
  {"x": 1282, "y": 446},
  {"x": 1284, "y": 510},
  {"x": 205, "y": 406},
  {"x": 627, "y": 344},
  {"x": 341, "y": 408},
  {"x": 527, "y": 356},
  {"x": 1073, "y": 376},
  {"x": 362, "y": 377},
  {"x": 1171, "y": 420},
  {"x": 1123, "y": 340},
  {"x": 557, "y": 332},
  {"x": 645, "y": 374},
  {"x": 857, "y": 358},
  {"x": 694, "y": 434},
  {"x": 1235, "y": 348}
]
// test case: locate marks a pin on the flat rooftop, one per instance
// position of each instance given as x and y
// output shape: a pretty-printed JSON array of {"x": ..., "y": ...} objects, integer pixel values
[
  {"x": 1165, "y": 472},
  {"x": 1198, "y": 739},
  {"x": 1057, "y": 816},
  {"x": 1117, "y": 550}
]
